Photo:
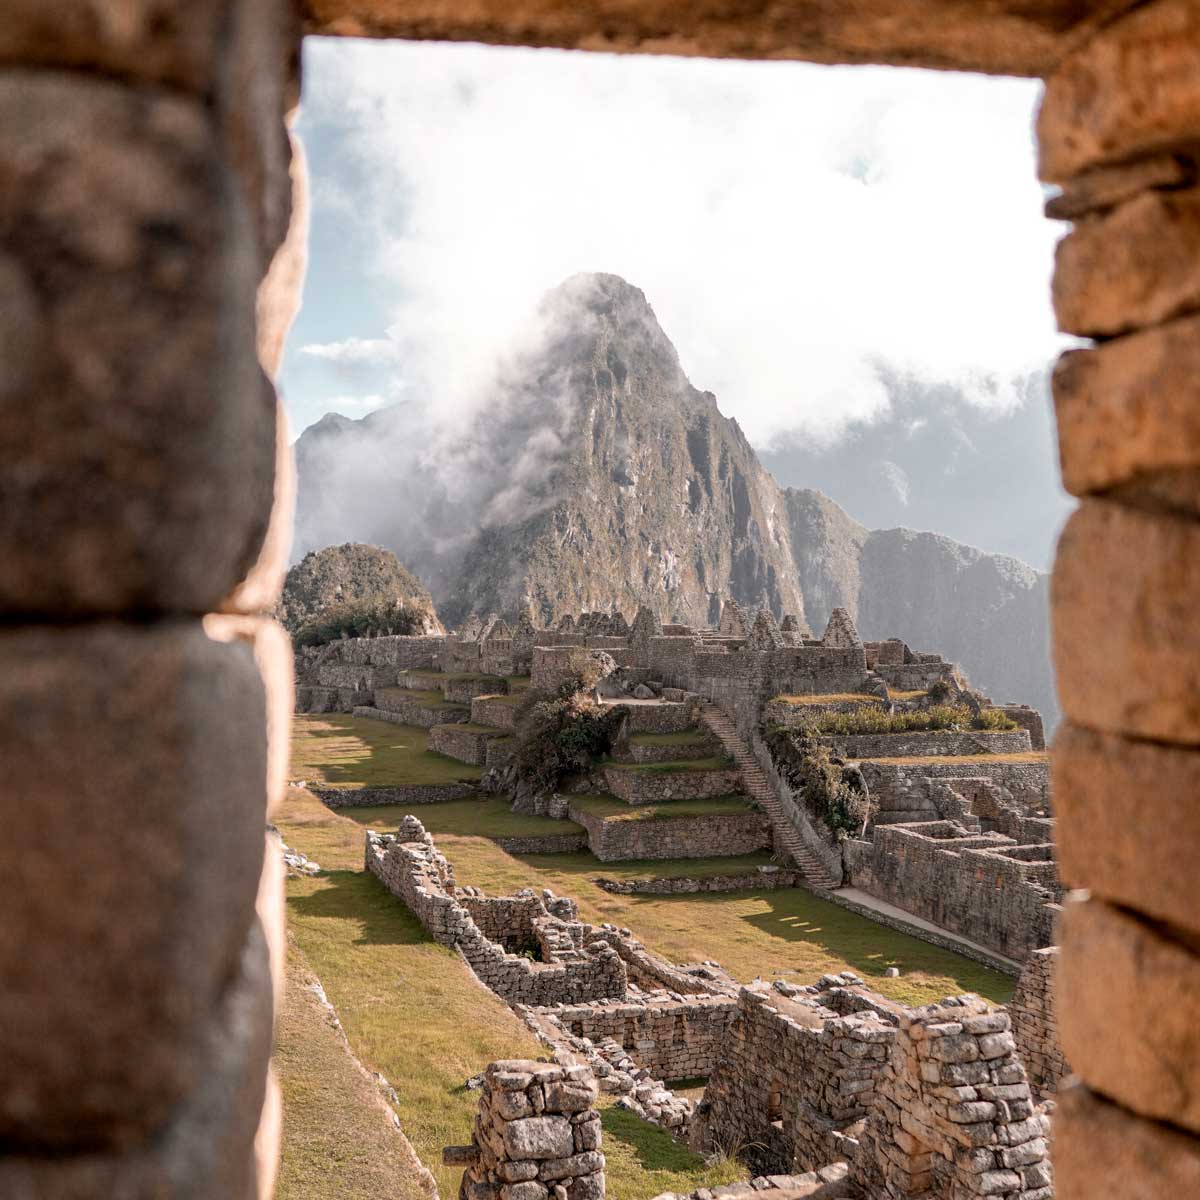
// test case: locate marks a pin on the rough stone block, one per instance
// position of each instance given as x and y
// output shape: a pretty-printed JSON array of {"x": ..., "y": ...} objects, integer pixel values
[
  {"x": 1124, "y": 622},
  {"x": 1106, "y": 187},
  {"x": 1130, "y": 90},
  {"x": 204, "y": 1145},
  {"x": 137, "y": 429},
  {"x": 1147, "y": 1061},
  {"x": 1102, "y": 1150},
  {"x": 1129, "y": 828},
  {"x": 1134, "y": 266},
  {"x": 1129, "y": 407},
  {"x": 131, "y": 860},
  {"x": 539, "y": 1137}
]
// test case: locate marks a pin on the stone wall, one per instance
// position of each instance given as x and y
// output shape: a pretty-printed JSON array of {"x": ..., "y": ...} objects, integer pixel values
[
  {"x": 903, "y": 791},
  {"x": 953, "y": 1115},
  {"x": 984, "y": 887},
  {"x": 931, "y": 742},
  {"x": 798, "y": 1067},
  {"x": 718, "y": 835},
  {"x": 658, "y": 787},
  {"x": 407, "y": 793},
  {"x": 497, "y": 711},
  {"x": 674, "y": 837},
  {"x": 1034, "y": 1024},
  {"x": 760, "y": 879},
  {"x": 410, "y": 867},
  {"x": 673, "y": 1038},
  {"x": 464, "y": 742},
  {"x": 537, "y": 1135}
]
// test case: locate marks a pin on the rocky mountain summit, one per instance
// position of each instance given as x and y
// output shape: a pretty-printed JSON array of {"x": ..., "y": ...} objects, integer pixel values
[{"x": 596, "y": 473}]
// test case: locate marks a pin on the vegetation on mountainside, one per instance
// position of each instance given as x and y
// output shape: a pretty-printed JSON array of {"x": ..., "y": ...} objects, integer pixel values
[
  {"x": 340, "y": 750},
  {"x": 353, "y": 590},
  {"x": 362, "y": 619}
]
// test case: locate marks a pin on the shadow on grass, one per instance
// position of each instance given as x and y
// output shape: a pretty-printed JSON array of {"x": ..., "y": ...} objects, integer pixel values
[
  {"x": 358, "y": 896},
  {"x": 866, "y": 947},
  {"x": 653, "y": 1148}
]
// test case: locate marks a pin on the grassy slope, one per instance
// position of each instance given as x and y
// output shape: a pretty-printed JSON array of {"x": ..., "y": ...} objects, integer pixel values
[
  {"x": 339, "y": 1142},
  {"x": 788, "y": 933},
  {"x": 614, "y": 809},
  {"x": 412, "y": 1010},
  {"x": 346, "y": 751}
]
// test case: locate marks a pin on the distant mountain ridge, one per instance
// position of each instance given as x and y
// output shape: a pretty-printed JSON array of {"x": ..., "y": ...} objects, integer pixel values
[{"x": 598, "y": 475}]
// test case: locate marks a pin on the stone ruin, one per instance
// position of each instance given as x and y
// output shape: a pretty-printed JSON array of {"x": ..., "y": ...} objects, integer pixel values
[
  {"x": 855, "y": 1095},
  {"x": 537, "y": 1135}
]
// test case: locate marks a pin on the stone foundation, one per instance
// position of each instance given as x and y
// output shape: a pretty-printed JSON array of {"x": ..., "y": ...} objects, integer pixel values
[
  {"x": 657, "y": 787},
  {"x": 614, "y": 839}
]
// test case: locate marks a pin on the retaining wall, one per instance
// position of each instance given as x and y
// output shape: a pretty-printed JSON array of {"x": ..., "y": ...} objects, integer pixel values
[{"x": 716, "y": 836}]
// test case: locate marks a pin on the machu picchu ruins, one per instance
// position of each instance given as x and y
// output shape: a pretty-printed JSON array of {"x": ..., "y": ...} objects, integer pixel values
[{"x": 706, "y": 744}]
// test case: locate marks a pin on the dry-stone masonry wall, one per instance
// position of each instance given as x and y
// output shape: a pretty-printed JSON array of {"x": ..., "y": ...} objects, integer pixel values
[
  {"x": 715, "y": 835},
  {"x": 953, "y": 1117},
  {"x": 985, "y": 887},
  {"x": 409, "y": 865},
  {"x": 1034, "y": 1025},
  {"x": 798, "y": 1068},
  {"x": 537, "y": 1135}
]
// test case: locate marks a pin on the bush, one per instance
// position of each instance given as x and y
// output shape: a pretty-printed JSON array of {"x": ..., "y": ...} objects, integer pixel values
[
  {"x": 557, "y": 736},
  {"x": 583, "y": 671},
  {"x": 363, "y": 618},
  {"x": 868, "y": 718},
  {"x": 828, "y": 790}
]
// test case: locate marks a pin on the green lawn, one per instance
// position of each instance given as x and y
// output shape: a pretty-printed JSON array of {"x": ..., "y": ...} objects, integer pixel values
[
  {"x": 346, "y": 751},
  {"x": 832, "y": 698},
  {"x": 688, "y": 737},
  {"x": 611, "y": 808},
  {"x": 339, "y": 1142},
  {"x": 679, "y": 868},
  {"x": 671, "y": 768},
  {"x": 426, "y": 699},
  {"x": 784, "y": 933},
  {"x": 412, "y": 1010}
]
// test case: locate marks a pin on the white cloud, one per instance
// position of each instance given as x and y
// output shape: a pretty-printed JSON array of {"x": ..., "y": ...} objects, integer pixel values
[
  {"x": 354, "y": 351},
  {"x": 791, "y": 225},
  {"x": 357, "y": 403}
]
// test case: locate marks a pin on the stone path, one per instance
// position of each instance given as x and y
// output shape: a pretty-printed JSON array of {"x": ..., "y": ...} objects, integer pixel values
[{"x": 759, "y": 789}]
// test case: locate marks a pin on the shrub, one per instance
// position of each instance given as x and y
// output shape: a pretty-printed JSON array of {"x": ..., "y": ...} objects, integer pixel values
[
  {"x": 993, "y": 718},
  {"x": 583, "y": 670},
  {"x": 869, "y": 718},
  {"x": 556, "y": 736},
  {"x": 829, "y": 791},
  {"x": 362, "y": 618}
]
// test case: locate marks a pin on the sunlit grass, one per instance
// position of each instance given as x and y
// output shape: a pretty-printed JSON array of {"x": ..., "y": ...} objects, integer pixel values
[
  {"x": 610, "y": 808},
  {"x": 346, "y": 751}
]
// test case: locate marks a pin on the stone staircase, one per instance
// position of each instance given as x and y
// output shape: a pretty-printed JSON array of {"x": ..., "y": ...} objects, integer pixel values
[{"x": 759, "y": 789}]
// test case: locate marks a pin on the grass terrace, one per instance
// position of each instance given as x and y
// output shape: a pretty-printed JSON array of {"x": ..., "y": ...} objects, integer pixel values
[
  {"x": 412, "y": 1010},
  {"x": 426, "y": 698},
  {"x": 671, "y": 768},
  {"x": 1027, "y": 756},
  {"x": 787, "y": 933},
  {"x": 688, "y": 737},
  {"x": 829, "y": 698},
  {"x": 341, "y": 750},
  {"x": 612, "y": 809}
]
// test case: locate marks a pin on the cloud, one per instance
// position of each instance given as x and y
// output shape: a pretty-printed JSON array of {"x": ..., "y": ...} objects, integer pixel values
[
  {"x": 357, "y": 403},
  {"x": 793, "y": 226},
  {"x": 354, "y": 351}
]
